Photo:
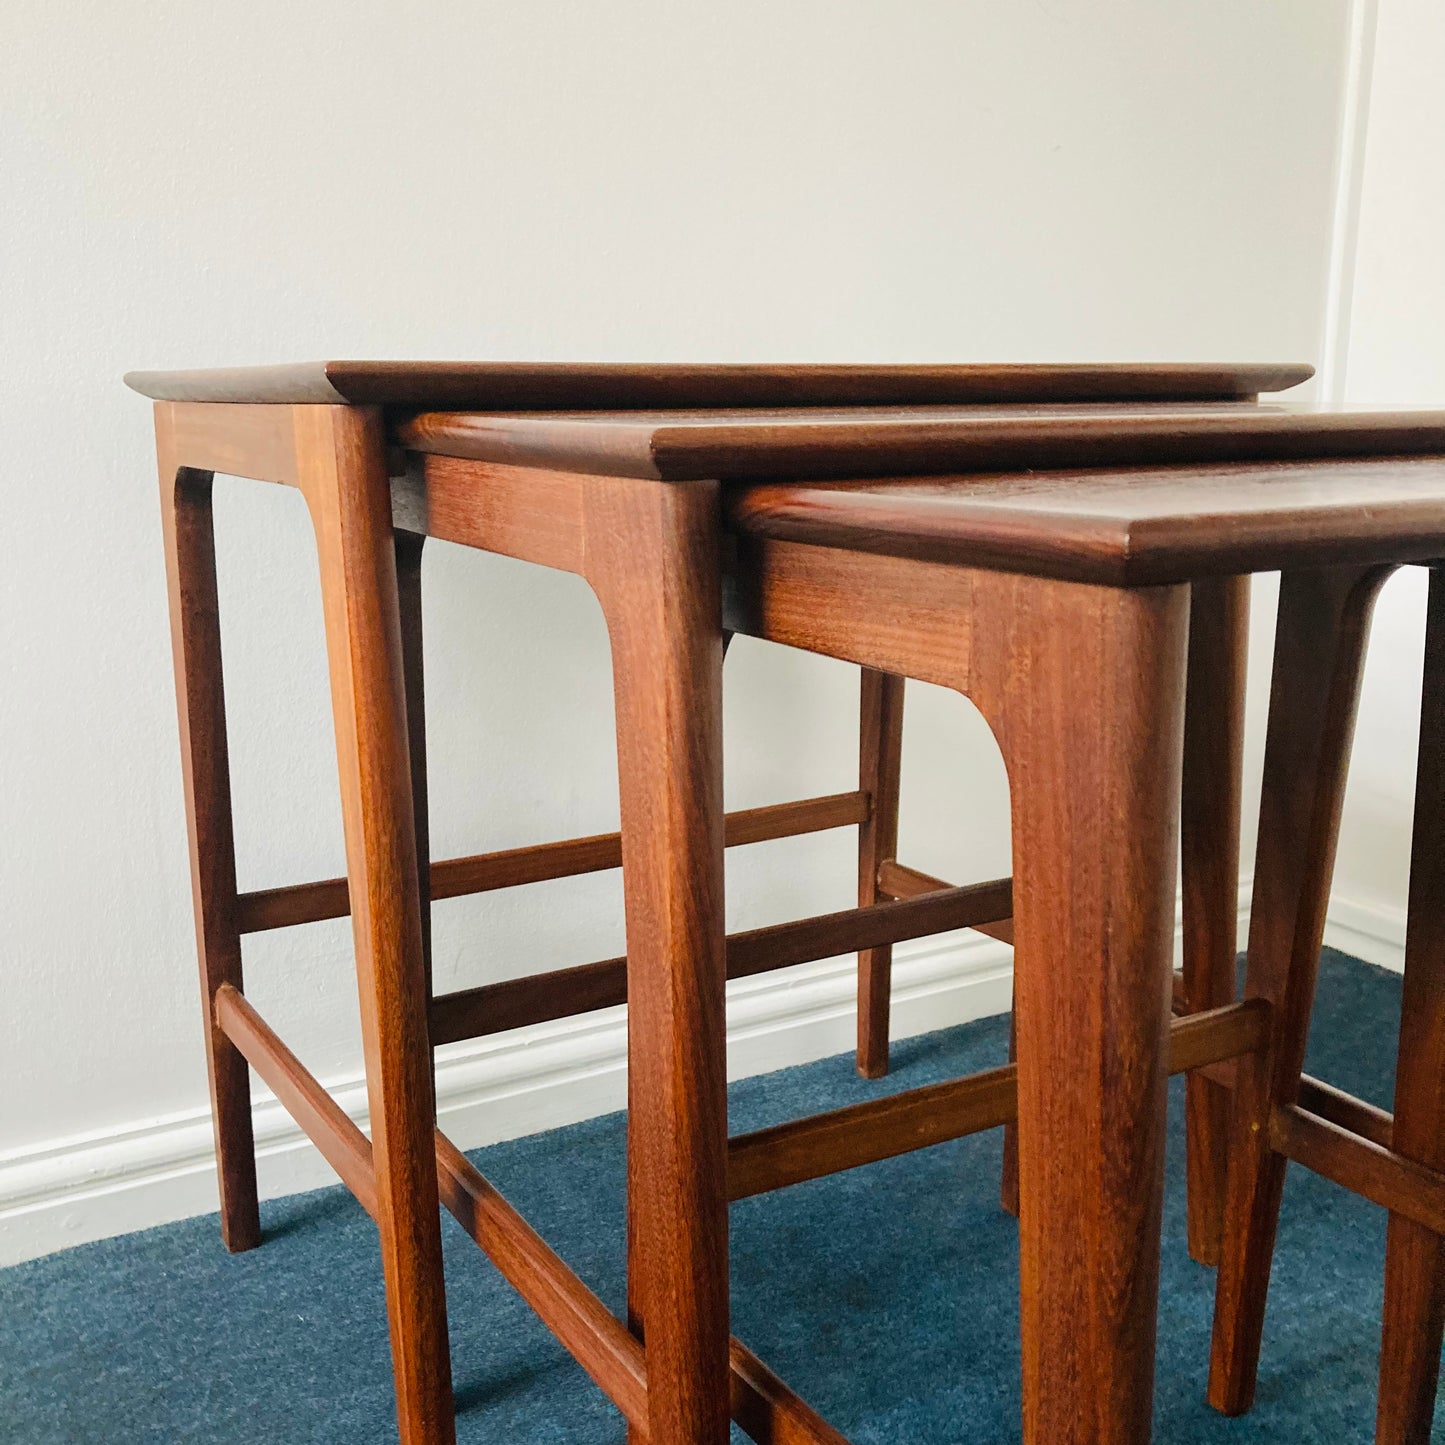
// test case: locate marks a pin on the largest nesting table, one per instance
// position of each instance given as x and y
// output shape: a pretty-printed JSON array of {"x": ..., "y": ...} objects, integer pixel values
[{"x": 880, "y": 515}]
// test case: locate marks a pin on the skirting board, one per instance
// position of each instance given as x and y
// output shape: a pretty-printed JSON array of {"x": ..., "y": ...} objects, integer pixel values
[
  {"x": 1371, "y": 931},
  {"x": 72, "y": 1190}
]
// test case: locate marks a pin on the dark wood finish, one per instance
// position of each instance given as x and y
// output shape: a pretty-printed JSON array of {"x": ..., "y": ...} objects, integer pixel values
[
  {"x": 595, "y": 1337},
  {"x": 953, "y": 580},
  {"x": 1337, "y": 1107},
  {"x": 409, "y": 547},
  {"x": 1385, "y": 1177},
  {"x": 341, "y": 459},
  {"x": 1008, "y": 1183},
  {"x": 653, "y": 561},
  {"x": 548, "y": 386},
  {"x": 861, "y": 442},
  {"x": 515, "y": 1003},
  {"x": 1209, "y": 826},
  {"x": 1084, "y": 690},
  {"x": 768, "y": 1410},
  {"x": 458, "y": 877},
  {"x": 1415, "y": 1253},
  {"x": 880, "y": 760},
  {"x": 897, "y": 880},
  {"x": 340, "y": 1142},
  {"x": 1173, "y": 523},
  {"x": 201, "y": 705},
  {"x": 1318, "y": 655},
  {"x": 803, "y": 1149},
  {"x": 1083, "y": 687}
]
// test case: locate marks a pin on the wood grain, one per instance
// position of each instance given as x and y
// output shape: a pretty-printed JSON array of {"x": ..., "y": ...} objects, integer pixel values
[
  {"x": 880, "y": 759},
  {"x": 296, "y": 903},
  {"x": 1414, "y": 1317},
  {"x": 536, "y": 998},
  {"x": 188, "y": 528},
  {"x": 1411, "y": 1192},
  {"x": 1084, "y": 690},
  {"x": 1318, "y": 655},
  {"x": 654, "y": 563},
  {"x": 1209, "y": 826},
  {"x": 859, "y": 442},
  {"x": 342, "y": 464},
  {"x": 325, "y": 1123},
  {"x": 823, "y": 1144},
  {"x": 1134, "y": 526},
  {"x": 546, "y": 386}
]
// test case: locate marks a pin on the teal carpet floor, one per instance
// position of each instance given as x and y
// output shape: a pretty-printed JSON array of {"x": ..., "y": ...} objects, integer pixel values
[{"x": 886, "y": 1296}]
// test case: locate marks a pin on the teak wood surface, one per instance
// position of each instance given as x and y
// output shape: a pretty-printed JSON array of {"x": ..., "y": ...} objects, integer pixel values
[{"x": 1058, "y": 602}]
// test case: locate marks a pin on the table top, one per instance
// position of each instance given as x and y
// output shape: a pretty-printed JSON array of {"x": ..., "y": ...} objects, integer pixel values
[
  {"x": 1132, "y": 528},
  {"x": 1127, "y": 475},
  {"x": 565, "y": 386},
  {"x": 807, "y": 443}
]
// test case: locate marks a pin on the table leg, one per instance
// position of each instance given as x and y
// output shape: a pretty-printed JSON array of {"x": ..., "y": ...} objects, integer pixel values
[
  {"x": 409, "y": 546},
  {"x": 1209, "y": 837},
  {"x": 1087, "y": 703},
  {"x": 1414, "y": 1256},
  {"x": 1318, "y": 655},
  {"x": 342, "y": 468},
  {"x": 653, "y": 560},
  {"x": 1008, "y": 1188},
  {"x": 880, "y": 760},
  {"x": 201, "y": 703}
]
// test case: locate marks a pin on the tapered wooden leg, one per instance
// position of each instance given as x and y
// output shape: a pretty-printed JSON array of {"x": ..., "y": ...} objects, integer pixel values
[
  {"x": 408, "y": 593},
  {"x": 1209, "y": 835},
  {"x": 201, "y": 703},
  {"x": 1415, "y": 1257},
  {"x": 342, "y": 464},
  {"x": 880, "y": 758},
  {"x": 1088, "y": 706},
  {"x": 1318, "y": 653},
  {"x": 1008, "y": 1190},
  {"x": 654, "y": 564}
]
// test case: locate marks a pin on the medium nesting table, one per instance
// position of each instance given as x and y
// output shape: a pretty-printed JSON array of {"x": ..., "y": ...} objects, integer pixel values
[{"x": 876, "y": 515}]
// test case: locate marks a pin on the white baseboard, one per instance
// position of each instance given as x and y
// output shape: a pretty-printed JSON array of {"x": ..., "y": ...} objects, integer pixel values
[
  {"x": 1371, "y": 931},
  {"x": 85, "y": 1187},
  {"x": 91, "y": 1186}
]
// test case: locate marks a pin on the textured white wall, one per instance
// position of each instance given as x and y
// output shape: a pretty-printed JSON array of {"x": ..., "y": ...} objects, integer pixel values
[
  {"x": 190, "y": 185},
  {"x": 1396, "y": 354}
]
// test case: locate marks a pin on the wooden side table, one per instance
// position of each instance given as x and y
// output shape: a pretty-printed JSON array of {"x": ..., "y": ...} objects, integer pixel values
[{"x": 1062, "y": 610}]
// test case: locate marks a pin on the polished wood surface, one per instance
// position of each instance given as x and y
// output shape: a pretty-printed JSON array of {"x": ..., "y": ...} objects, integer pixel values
[
  {"x": 296, "y": 903},
  {"x": 186, "y": 519},
  {"x": 325, "y": 1123},
  {"x": 1077, "y": 665},
  {"x": 1414, "y": 1316},
  {"x": 1087, "y": 704},
  {"x": 880, "y": 759},
  {"x": 1130, "y": 528},
  {"x": 562, "y": 993},
  {"x": 550, "y": 386},
  {"x": 817, "y": 443},
  {"x": 341, "y": 461},
  {"x": 1209, "y": 828},
  {"x": 884, "y": 1128},
  {"x": 408, "y": 548},
  {"x": 654, "y": 563},
  {"x": 771, "y": 1412},
  {"x": 1318, "y": 656}
]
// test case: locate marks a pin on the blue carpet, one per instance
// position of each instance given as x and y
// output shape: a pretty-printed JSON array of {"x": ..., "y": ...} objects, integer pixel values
[{"x": 886, "y": 1296}]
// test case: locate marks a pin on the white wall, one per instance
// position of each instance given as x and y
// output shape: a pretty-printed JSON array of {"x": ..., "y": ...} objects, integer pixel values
[
  {"x": 1396, "y": 354},
  {"x": 191, "y": 185}
]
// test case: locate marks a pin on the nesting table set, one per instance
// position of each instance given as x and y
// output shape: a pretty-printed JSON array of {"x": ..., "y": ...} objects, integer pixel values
[{"x": 1065, "y": 546}]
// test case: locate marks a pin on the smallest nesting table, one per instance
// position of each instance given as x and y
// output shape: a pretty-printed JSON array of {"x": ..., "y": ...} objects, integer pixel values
[{"x": 873, "y": 514}]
